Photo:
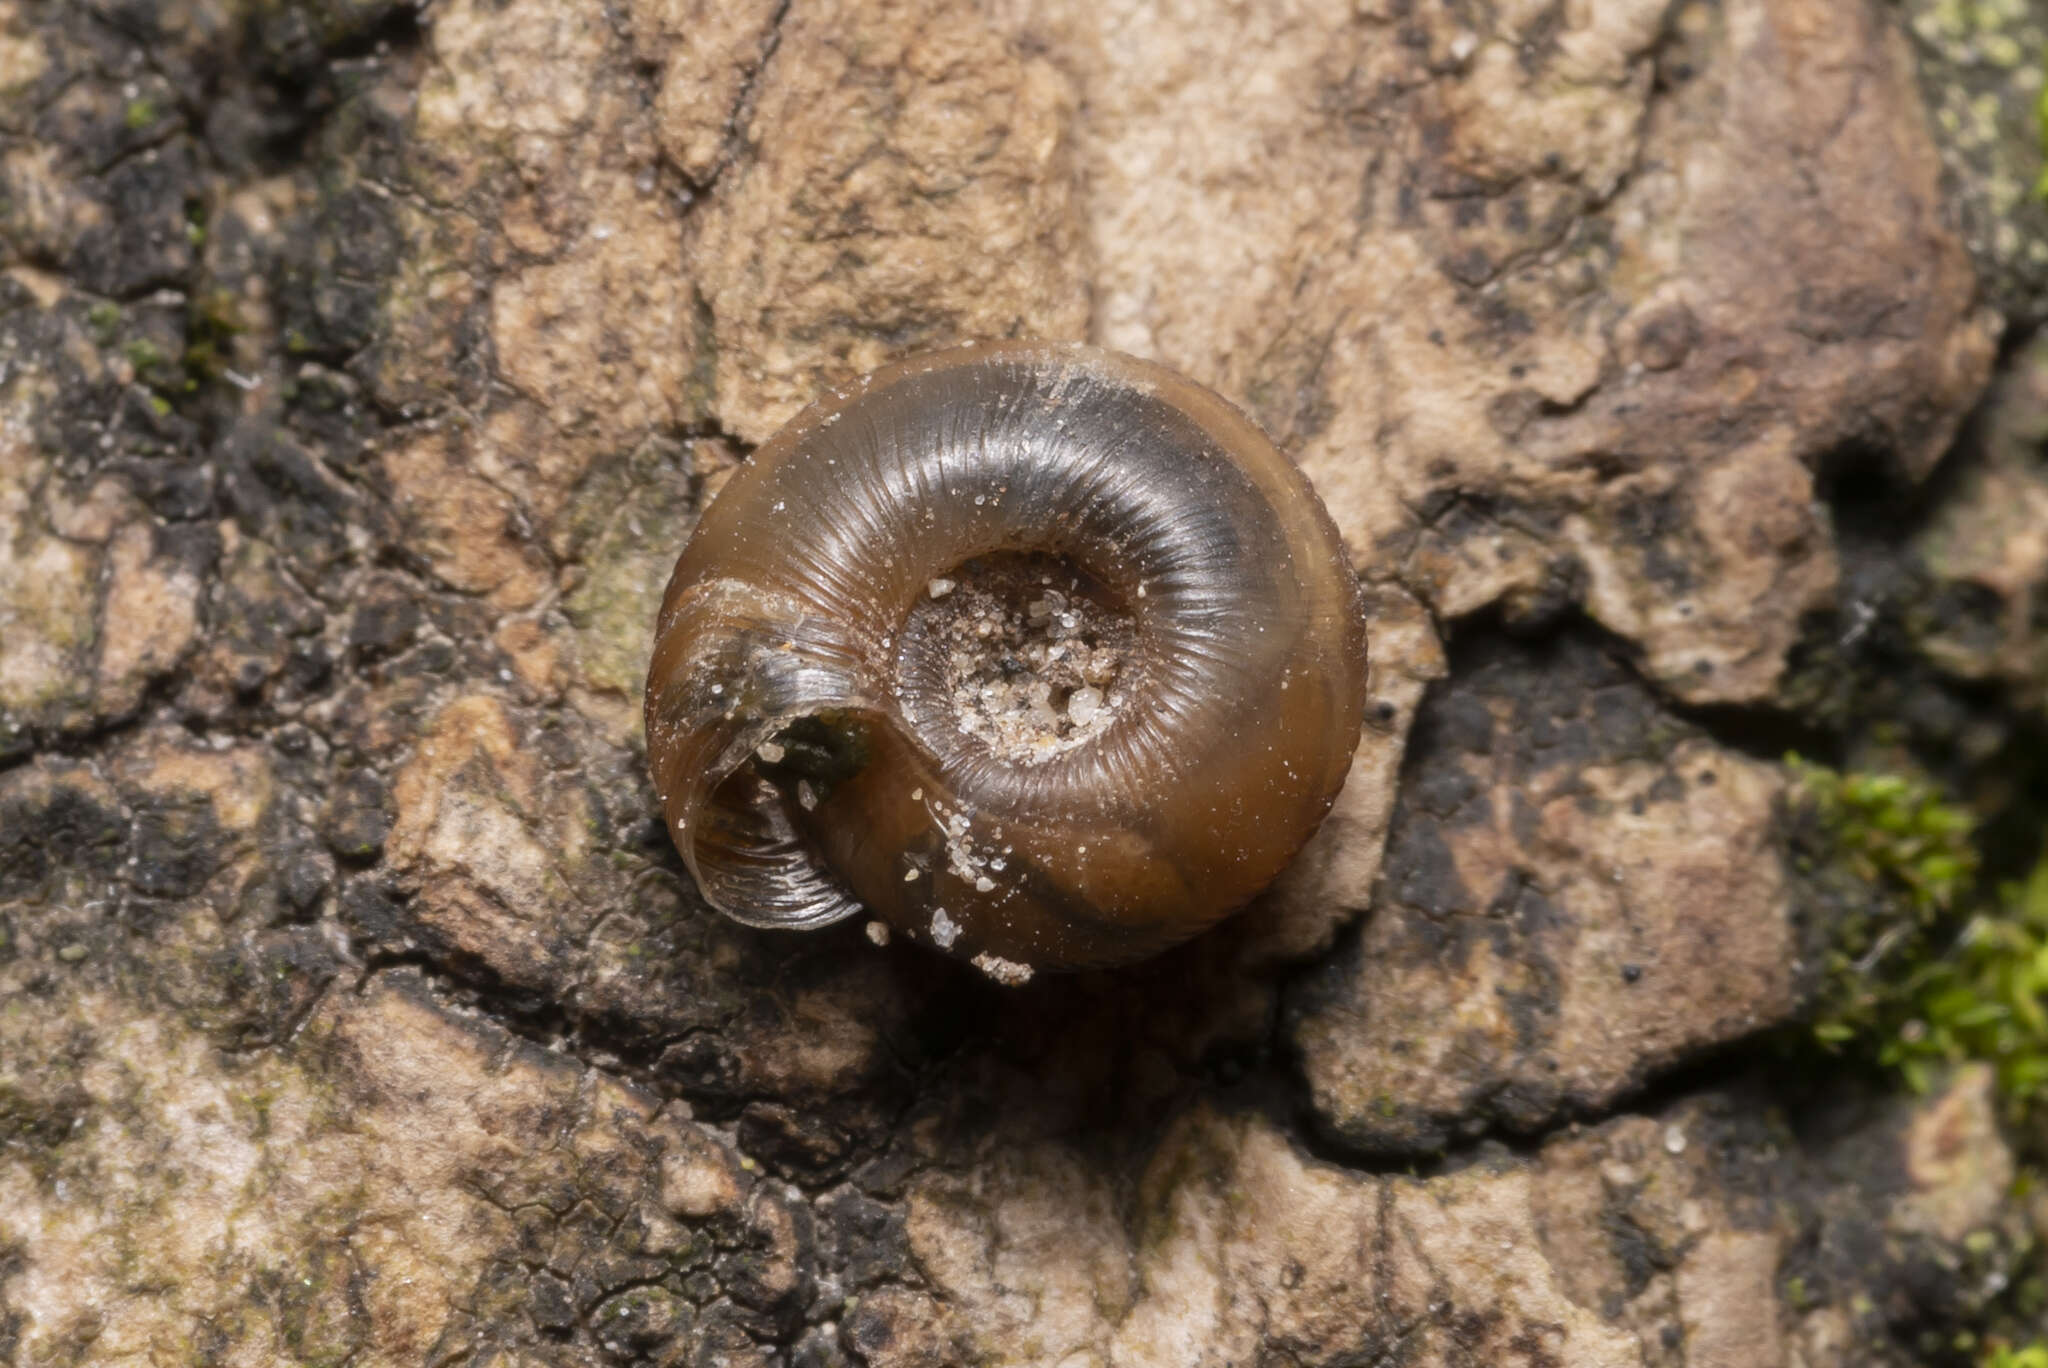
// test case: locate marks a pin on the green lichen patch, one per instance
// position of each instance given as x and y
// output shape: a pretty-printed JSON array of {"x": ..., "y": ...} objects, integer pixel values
[
  {"x": 625, "y": 528},
  {"x": 1981, "y": 70}
]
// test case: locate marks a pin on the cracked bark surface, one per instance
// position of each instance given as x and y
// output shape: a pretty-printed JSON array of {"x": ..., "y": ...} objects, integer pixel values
[{"x": 362, "y": 370}]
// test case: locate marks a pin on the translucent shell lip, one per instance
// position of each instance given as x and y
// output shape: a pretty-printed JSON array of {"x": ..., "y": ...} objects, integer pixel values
[{"x": 1246, "y": 692}]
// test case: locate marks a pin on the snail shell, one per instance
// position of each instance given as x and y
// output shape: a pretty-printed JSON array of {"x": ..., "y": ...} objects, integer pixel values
[{"x": 859, "y": 696}]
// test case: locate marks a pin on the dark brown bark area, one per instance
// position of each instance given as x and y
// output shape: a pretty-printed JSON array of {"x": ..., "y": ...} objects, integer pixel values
[{"x": 362, "y": 371}]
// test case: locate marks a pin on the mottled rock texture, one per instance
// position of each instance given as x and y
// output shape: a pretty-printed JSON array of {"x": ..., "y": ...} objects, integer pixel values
[
  {"x": 1578, "y": 891},
  {"x": 363, "y": 365}
]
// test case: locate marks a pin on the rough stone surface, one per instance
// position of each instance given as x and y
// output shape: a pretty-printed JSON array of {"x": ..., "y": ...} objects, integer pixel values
[
  {"x": 1986, "y": 547},
  {"x": 99, "y": 593},
  {"x": 1537, "y": 300},
  {"x": 1336, "y": 874},
  {"x": 1648, "y": 1240},
  {"x": 912, "y": 182},
  {"x": 1717, "y": 1236},
  {"x": 1579, "y": 890},
  {"x": 362, "y": 367}
]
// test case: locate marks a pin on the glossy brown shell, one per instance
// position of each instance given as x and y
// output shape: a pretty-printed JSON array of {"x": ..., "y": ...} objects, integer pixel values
[{"x": 1246, "y": 687}]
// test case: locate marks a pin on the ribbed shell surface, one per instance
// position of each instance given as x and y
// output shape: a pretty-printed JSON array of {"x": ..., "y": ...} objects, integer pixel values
[{"x": 1240, "y": 707}]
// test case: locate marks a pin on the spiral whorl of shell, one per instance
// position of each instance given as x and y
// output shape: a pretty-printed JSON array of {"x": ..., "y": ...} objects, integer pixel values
[{"x": 1041, "y": 654}]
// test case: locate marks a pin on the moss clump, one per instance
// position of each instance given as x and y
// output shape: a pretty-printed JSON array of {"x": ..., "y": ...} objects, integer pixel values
[
  {"x": 142, "y": 353},
  {"x": 104, "y": 318},
  {"x": 1917, "y": 977},
  {"x": 1984, "y": 999},
  {"x": 1896, "y": 829},
  {"x": 215, "y": 320},
  {"x": 1908, "y": 855},
  {"x": 1927, "y": 971}
]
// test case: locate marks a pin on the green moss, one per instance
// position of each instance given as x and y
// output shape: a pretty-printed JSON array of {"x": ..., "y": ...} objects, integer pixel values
[
  {"x": 1983, "y": 999},
  {"x": 1923, "y": 975},
  {"x": 139, "y": 115},
  {"x": 2041, "y": 132},
  {"x": 215, "y": 320},
  {"x": 2004, "y": 1356},
  {"x": 104, "y": 318},
  {"x": 1895, "y": 830},
  {"x": 1927, "y": 970},
  {"x": 1902, "y": 857}
]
